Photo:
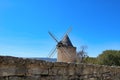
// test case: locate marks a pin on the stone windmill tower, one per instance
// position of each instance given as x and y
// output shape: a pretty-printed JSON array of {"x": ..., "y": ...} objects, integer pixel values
[{"x": 66, "y": 52}]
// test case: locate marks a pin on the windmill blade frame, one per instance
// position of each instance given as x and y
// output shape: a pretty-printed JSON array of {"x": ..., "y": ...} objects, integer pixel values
[
  {"x": 53, "y": 36},
  {"x": 67, "y": 32},
  {"x": 52, "y": 52}
]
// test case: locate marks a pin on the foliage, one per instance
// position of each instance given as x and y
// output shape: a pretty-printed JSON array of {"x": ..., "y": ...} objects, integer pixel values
[
  {"x": 109, "y": 57},
  {"x": 91, "y": 60}
]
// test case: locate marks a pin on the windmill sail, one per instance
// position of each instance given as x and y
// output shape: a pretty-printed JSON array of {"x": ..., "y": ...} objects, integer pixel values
[{"x": 65, "y": 49}]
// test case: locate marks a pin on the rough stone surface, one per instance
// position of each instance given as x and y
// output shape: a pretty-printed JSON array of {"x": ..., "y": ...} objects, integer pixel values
[{"x": 12, "y": 68}]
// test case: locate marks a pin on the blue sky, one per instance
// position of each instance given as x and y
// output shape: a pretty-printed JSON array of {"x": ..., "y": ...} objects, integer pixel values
[{"x": 24, "y": 25}]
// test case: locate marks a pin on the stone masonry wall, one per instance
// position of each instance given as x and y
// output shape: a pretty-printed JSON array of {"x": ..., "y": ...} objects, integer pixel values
[{"x": 12, "y": 68}]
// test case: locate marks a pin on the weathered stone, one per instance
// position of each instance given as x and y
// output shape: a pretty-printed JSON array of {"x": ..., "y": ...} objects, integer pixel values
[
  {"x": 53, "y": 71},
  {"x": 3, "y": 78},
  {"x": 16, "y": 78},
  {"x": 12, "y": 68},
  {"x": 21, "y": 71},
  {"x": 33, "y": 78},
  {"x": 37, "y": 71},
  {"x": 7, "y": 70},
  {"x": 60, "y": 64}
]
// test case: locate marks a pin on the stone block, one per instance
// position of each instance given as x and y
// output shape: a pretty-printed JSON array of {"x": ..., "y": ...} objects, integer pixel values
[
  {"x": 33, "y": 78},
  {"x": 71, "y": 71},
  {"x": 21, "y": 71},
  {"x": 60, "y": 64},
  {"x": 58, "y": 71},
  {"x": 88, "y": 69},
  {"x": 3, "y": 78},
  {"x": 16, "y": 78},
  {"x": 53, "y": 71},
  {"x": 7, "y": 70},
  {"x": 37, "y": 71}
]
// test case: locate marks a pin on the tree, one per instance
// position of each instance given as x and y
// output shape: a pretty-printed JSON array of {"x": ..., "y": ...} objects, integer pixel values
[
  {"x": 81, "y": 55},
  {"x": 109, "y": 57}
]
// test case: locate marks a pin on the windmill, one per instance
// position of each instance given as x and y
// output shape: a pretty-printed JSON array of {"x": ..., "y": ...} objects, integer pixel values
[{"x": 65, "y": 50}]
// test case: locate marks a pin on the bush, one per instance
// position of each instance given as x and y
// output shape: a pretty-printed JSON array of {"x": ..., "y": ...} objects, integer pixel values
[{"x": 109, "y": 57}]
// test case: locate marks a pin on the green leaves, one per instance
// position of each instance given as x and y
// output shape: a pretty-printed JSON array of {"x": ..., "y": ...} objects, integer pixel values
[{"x": 109, "y": 57}]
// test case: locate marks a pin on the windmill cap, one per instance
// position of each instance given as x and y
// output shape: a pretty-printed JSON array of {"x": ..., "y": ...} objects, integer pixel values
[{"x": 66, "y": 41}]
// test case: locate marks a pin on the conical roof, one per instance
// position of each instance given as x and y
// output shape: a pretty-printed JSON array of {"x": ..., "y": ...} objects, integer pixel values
[{"x": 66, "y": 41}]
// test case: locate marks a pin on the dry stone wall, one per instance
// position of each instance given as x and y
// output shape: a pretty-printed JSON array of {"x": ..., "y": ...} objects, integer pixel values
[{"x": 12, "y": 68}]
